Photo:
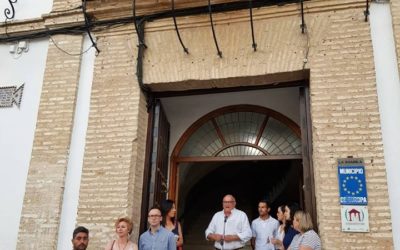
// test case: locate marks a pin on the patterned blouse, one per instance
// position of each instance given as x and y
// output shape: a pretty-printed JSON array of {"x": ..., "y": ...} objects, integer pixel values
[{"x": 309, "y": 239}]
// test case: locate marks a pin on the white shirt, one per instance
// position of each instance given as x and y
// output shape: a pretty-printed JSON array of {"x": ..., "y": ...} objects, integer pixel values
[
  {"x": 236, "y": 224},
  {"x": 263, "y": 231},
  {"x": 281, "y": 233}
]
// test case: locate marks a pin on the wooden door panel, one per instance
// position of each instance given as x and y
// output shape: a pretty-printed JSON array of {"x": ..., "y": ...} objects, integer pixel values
[{"x": 155, "y": 186}]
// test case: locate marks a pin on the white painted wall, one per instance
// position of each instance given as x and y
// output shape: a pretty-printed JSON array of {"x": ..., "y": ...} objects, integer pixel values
[
  {"x": 185, "y": 110},
  {"x": 77, "y": 149},
  {"x": 26, "y": 9},
  {"x": 17, "y": 127},
  {"x": 388, "y": 87}
]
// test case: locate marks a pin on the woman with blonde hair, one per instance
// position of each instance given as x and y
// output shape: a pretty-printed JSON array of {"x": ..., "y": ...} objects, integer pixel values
[
  {"x": 307, "y": 239},
  {"x": 123, "y": 228}
]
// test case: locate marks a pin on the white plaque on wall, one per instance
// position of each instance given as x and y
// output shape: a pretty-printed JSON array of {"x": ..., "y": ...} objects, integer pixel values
[{"x": 354, "y": 218}]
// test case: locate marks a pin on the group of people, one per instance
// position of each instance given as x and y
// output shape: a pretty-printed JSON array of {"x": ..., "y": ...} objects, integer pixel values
[
  {"x": 229, "y": 229},
  {"x": 164, "y": 233}
]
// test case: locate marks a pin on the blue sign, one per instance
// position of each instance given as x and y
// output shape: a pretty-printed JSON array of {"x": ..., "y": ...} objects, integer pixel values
[{"x": 352, "y": 185}]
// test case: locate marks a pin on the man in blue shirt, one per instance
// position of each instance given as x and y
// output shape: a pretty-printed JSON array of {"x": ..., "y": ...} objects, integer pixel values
[{"x": 156, "y": 237}]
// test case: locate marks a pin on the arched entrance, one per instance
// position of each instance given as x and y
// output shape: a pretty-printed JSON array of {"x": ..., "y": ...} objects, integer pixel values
[{"x": 248, "y": 150}]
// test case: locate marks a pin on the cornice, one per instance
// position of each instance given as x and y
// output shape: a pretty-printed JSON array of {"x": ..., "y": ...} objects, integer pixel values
[
  {"x": 62, "y": 19},
  {"x": 270, "y": 12},
  {"x": 54, "y": 20},
  {"x": 103, "y": 10},
  {"x": 24, "y": 26}
]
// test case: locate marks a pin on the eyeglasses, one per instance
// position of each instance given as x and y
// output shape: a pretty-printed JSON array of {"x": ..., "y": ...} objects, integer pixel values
[
  {"x": 228, "y": 201},
  {"x": 154, "y": 216}
]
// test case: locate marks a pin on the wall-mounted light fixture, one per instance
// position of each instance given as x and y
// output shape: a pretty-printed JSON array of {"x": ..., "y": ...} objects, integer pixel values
[{"x": 19, "y": 48}]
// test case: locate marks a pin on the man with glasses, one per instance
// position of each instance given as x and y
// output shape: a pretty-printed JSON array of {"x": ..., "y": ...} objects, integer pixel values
[
  {"x": 156, "y": 237},
  {"x": 229, "y": 228}
]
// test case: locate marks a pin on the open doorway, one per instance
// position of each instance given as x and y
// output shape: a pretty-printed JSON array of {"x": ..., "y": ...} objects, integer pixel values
[
  {"x": 249, "y": 151},
  {"x": 205, "y": 184},
  {"x": 234, "y": 137}
]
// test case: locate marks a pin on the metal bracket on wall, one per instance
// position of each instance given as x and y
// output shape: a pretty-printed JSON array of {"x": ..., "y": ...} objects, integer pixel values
[
  {"x": 87, "y": 25},
  {"x": 10, "y": 13},
  {"x": 176, "y": 27},
  {"x": 213, "y": 31}
]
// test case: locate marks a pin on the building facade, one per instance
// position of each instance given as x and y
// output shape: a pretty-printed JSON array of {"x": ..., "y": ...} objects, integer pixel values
[{"x": 110, "y": 121}]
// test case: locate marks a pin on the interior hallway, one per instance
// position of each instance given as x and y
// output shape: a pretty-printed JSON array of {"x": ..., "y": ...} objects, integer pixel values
[{"x": 247, "y": 181}]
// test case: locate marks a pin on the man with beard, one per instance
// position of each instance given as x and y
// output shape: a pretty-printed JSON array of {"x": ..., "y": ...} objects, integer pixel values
[{"x": 80, "y": 238}]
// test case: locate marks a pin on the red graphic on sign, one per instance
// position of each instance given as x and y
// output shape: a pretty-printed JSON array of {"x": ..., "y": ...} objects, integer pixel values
[{"x": 354, "y": 213}]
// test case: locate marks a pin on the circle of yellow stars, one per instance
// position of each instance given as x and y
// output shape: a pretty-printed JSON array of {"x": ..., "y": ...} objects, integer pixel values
[{"x": 352, "y": 178}]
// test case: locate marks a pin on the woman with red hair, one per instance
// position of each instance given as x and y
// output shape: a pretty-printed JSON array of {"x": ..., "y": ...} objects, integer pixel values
[{"x": 123, "y": 229}]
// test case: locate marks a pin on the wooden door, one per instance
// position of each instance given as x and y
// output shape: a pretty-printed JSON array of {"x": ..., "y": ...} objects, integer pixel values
[
  {"x": 308, "y": 189},
  {"x": 155, "y": 182}
]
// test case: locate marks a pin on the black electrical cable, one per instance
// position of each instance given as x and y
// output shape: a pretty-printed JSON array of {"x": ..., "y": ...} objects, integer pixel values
[
  {"x": 366, "y": 12},
  {"x": 69, "y": 53},
  {"x": 213, "y": 31},
  {"x": 254, "y": 45},
  {"x": 79, "y": 29},
  {"x": 303, "y": 25},
  {"x": 176, "y": 28},
  {"x": 140, "y": 39},
  {"x": 72, "y": 30},
  {"x": 139, "y": 66},
  {"x": 87, "y": 24}
]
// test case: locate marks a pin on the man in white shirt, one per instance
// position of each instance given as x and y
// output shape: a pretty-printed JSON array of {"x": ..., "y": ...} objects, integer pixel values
[
  {"x": 264, "y": 228},
  {"x": 229, "y": 228}
]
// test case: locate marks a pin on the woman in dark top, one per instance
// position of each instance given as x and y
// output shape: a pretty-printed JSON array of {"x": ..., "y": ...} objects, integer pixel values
[
  {"x": 290, "y": 232},
  {"x": 171, "y": 223}
]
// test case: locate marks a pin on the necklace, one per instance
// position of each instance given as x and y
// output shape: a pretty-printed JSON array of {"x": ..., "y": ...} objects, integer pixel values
[{"x": 119, "y": 245}]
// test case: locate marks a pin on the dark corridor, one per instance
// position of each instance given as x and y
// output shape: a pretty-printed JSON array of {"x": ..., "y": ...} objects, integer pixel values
[{"x": 249, "y": 181}]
